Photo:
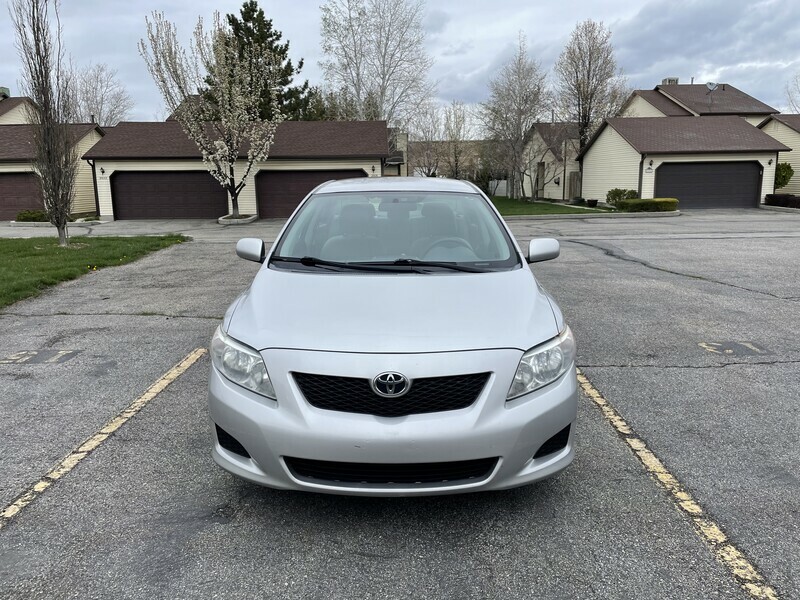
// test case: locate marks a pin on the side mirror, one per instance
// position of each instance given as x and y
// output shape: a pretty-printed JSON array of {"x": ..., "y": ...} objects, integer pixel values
[
  {"x": 543, "y": 249},
  {"x": 251, "y": 249}
]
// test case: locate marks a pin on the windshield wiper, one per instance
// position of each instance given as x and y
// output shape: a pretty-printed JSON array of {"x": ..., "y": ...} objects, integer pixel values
[
  {"x": 312, "y": 261},
  {"x": 413, "y": 262}
]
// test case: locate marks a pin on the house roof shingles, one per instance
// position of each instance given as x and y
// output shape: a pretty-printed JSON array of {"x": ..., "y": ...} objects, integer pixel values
[
  {"x": 690, "y": 135},
  {"x": 725, "y": 100},
  {"x": 791, "y": 121},
  {"x": 555, "y": 134},
  {"x": 662, "y": 103},
  {"x": 293, "y": 139},
  {"x": 17, "y": 140}
]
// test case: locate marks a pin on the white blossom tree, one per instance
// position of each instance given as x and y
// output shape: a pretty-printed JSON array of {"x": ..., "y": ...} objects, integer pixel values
[
  {"x": 517, "y": 98},
  {"x": 46, "y": 79},
  {"x": 100, "y": 95},
  {"x": 457, "y": 132},
  {"x": 375, "y": 50},
  {"x": 214, "y": 91}
]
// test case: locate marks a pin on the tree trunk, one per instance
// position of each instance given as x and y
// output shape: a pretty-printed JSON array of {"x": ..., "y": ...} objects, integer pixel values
[
  {"x": 63, "y": 235},
  {"x": 234, "y": 203}
]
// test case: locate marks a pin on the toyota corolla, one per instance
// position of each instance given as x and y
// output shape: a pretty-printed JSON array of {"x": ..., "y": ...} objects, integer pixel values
[{"x": 394, "y": 342}]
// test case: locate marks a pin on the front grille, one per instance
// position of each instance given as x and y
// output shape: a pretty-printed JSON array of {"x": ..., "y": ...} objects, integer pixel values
[
  {"x": 554, "y": 444},
  {"x": 387, "y": 474},
  {"x": 427, "y": 395}
]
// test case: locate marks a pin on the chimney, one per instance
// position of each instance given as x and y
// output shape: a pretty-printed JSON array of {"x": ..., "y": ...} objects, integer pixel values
[
  {"x": 4, "y": 93},
  {"x": 669, "y": 81}
]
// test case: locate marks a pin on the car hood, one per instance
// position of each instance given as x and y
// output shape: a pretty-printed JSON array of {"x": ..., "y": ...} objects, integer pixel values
[{"x": 392, "y": 313}]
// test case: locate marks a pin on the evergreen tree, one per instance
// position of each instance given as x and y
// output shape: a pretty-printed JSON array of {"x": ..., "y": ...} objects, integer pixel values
[{"x": 293, "y": 100}]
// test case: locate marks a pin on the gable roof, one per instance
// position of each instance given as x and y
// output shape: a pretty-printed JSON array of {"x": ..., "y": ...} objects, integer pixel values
[
  {"x": 791, "y": 121},
  {"x": 555, "y": 134},
  {"x": 661, "y": 102},
  {"x": 725, "y": 100},
  {"x": 293, "y": 139},
  {"x": 689, "y": 135},
  {"x": 10, "y": 103},
  {"x": 17, "y": 140}
]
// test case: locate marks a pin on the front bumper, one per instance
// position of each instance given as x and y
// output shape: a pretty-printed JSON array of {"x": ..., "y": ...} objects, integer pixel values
[{"x": 512, "y": 431}]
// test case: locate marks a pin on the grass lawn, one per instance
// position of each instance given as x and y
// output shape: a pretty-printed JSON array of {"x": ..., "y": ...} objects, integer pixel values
[
  {"x": 29, "y": 266},
  {"x": 509, "y": 207}
]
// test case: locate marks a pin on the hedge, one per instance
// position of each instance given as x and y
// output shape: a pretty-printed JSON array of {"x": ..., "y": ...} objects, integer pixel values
[
  {"x": 32, "y": 216},
  {"x": 785, "y": 200},
  {"x": 615, "y": 195},
  {"x": 649, "y": 205}
]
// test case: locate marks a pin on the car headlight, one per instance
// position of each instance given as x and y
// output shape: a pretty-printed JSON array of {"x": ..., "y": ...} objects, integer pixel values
[
  {"x": 242, "y": 365},
  {"x": 543, "y": 365}
]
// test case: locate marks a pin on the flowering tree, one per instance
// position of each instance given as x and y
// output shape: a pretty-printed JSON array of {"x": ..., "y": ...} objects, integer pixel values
[{"x": 214, "y": 91}]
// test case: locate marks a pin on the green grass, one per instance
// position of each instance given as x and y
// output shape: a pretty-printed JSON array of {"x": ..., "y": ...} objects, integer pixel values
[
  {"x": 29, "y": 266},
  {"x": 508, "y": 207}
]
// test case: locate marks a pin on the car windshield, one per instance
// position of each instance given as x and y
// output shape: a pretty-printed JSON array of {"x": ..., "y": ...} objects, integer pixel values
[{"x": 411, "y": 229}]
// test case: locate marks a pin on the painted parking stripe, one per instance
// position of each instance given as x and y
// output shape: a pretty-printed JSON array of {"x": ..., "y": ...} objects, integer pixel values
[
  {"x": 742, "y": 570},
  {"x": 90, "y": 444}
]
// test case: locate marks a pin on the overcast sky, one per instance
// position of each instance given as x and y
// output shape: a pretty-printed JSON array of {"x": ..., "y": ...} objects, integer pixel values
[{"x": 753, "y": 45}]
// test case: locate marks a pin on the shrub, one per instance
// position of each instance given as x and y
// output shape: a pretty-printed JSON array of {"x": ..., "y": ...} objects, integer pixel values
[
  {"x": 32, "y": 216},
  {"x": 785, "y": 200},
  {"x": 648, "y": 205},
  {"x": 783, "y": 173},
  {"x": 615, "y": 195}
]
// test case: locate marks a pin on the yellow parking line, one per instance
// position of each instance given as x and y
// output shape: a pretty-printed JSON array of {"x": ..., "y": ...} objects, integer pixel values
[
  {"x": 743, "y": 571},
  {"x": 90, "y": 444}
]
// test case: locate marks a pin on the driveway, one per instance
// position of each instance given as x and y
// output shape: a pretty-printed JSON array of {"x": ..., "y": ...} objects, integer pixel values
[{"x": 686, "y": 326}]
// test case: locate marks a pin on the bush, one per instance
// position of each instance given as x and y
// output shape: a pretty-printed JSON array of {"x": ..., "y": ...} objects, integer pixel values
[
  {"x": 783, "y": 173},
  {"x": 785, "y": 200},
  {"x": 614, "y": 196},
  {"x": 32, "y": 216},
  {"x": 649, "y": 205}
]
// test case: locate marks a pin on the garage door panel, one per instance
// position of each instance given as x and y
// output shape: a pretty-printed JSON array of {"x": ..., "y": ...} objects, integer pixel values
[
  {"x": 18, "y": 192},
  {"x": 710, "y": 184},
  {"x": 279, "y": 192},
  {"x": 167, "y": 195}
]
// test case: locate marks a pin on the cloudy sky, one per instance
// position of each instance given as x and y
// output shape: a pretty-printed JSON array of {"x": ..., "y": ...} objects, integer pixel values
[{"x": 751, "y": 44}]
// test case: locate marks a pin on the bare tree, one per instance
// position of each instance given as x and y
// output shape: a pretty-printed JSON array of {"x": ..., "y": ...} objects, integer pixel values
[
  {"x": 793, "y": 93},
  {"x": 426, "y": 135},
  {"x": 456, "y": 135},
  {"x": 375, "y": 49},
  {"x": 517, "y": 97},
  {"x": 46, "y": 80},
  {"x": 214, "y": 92},
  {"x": 590, "y": 86},
  {"x": 101, "y": 95}
]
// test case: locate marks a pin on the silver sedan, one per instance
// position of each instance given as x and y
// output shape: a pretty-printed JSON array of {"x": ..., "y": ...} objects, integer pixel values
[{"x": 394, "y": 343}]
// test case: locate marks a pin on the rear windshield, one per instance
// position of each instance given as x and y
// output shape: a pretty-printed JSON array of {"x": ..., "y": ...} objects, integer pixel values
[{"x": 382, "y": 227}]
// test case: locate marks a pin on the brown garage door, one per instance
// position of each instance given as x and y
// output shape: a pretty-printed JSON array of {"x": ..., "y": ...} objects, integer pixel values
[
  {"x": 19, "y": 191},
  {"x": 279, "y": 192},
  {"x": 710, "y": 185},
  {"x": 167, "y": 195}
]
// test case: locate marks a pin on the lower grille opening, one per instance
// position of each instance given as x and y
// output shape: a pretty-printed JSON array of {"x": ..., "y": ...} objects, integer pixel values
[
  {"x": 230, "y": 443},
  {"x": 554, "y": 444},
  {"x": 387, "y": 474}
]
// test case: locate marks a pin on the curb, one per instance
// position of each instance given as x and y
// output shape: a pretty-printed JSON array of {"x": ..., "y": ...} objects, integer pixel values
[
  {"x": 35, "y": 224},
  {"x": 636, "y": 215},
  {"x": 782, "y": 209},
  {"x": 239, "y": 221}
]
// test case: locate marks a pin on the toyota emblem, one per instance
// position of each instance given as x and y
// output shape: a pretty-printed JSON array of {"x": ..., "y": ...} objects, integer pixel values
[{"x": 391, "y": 384}]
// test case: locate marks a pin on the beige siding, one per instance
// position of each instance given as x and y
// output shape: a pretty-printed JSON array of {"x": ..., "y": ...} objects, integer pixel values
[
  {"x": 754, "y": 120},
  {"x": 84, "y": 183},
  {"x": 639, "y": 107},
  {"x": 16, "y": 167},
  {"x": 789, "y": 137},
  {"x": 553, "y": 169},
  {"x": 767, "y": 181},
  {"x": 610, "y": 163},
  {"x": 16, "y": 116},
  {"x": 247, "y": 197}
]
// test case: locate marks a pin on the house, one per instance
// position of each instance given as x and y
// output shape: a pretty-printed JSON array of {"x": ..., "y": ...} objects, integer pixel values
[
  {"x": 13, "y": 110},
  {"x": 154, "y": 171},
  {"x": 786, "y": 129},
  {"x": 672, "y": 99},
  {"x": 711, "y": 162},
  {"x": 396, "y": 164},
  {"x": 549, "y": 175},
  {"x": 19, "y": 185}
]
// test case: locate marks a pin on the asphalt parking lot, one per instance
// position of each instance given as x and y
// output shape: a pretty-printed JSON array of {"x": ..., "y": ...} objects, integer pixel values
[{"x": 687, "y": 327}]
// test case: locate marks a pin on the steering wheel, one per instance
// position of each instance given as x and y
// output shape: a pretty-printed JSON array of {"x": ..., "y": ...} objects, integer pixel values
[{"x": 449, "y": 242}]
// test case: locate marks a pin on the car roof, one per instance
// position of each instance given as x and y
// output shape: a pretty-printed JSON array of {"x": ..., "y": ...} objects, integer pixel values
[{"x": 396, "y": 184}]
